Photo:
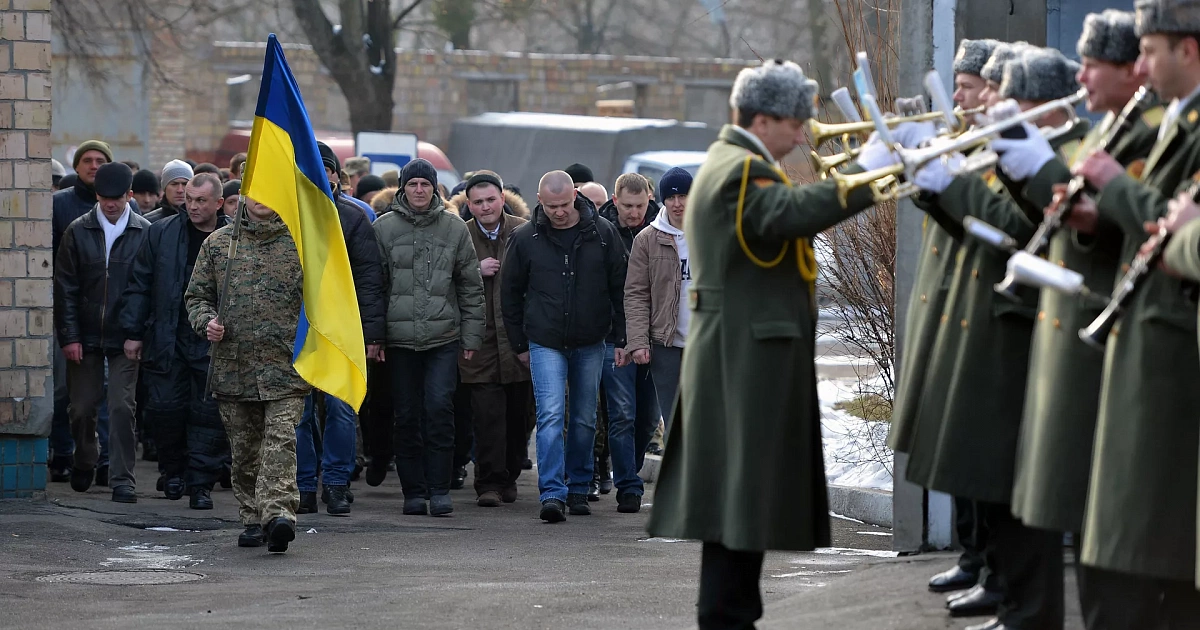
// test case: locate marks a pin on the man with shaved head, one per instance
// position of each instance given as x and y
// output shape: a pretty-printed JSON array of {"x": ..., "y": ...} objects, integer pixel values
[
  {"x": 562, "y": 292},
  {"x": 595, "y": 192}
]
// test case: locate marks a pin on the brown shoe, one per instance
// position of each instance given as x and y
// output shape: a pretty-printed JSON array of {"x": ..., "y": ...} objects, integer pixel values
[
  {"x": 491, "y": 498},
  {"x": 509, "y": 494}
]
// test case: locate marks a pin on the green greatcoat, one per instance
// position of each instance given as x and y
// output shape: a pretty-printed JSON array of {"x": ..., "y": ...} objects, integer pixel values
[
  {"x": 1062, "y": 394},
  {"x": 1141, "y": 504},
  {"x": 980, "y": 356},
  {"x": 1183, "y": 255},
  {"x": 744, "y": 465},
  {"x": 935, "y": 269}
]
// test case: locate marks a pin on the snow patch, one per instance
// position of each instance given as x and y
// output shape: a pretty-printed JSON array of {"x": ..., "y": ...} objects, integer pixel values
[{"x": 856, "y": 453}]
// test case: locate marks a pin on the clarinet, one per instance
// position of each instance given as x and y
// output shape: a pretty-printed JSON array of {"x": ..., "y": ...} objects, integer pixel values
[
  {"x": 1054, "y": 220},
  {"x": 1096, "y": 334}
]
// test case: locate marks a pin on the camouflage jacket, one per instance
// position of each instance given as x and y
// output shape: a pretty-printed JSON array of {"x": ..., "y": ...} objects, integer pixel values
[{"x": 254, "y": 360}]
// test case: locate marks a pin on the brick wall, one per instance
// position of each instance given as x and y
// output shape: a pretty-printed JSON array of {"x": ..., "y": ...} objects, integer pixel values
[
  {"x": 25, "y": 260},
  {"x": 432, "y": 90}
]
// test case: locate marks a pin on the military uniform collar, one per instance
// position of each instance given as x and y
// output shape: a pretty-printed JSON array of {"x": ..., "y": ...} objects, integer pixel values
[
  {"x": 1179, "y": 112},
  {"x": 734, "y": 134}
]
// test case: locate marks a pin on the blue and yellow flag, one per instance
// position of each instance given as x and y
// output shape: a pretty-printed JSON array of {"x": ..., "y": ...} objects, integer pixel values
[{"x": 330, "y": 353}]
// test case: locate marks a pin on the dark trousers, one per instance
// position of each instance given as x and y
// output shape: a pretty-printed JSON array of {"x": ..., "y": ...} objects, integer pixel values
[
  {"x": 729, "y": 591},
  {"x": 85, "y": 382},
  {"x": 464, "y": 435},
  {"x": 665, "y": 363},
  {"x": 423, "y": 383},
  {"x": 187, "y": 424},
  {"x": 501, "y": 413},
  {"x": 1112, "y": 600},
  {"x": 1029, "y": 564},
  {"x": 972, "y": 530},
  {"x": 378, "y": 414}
]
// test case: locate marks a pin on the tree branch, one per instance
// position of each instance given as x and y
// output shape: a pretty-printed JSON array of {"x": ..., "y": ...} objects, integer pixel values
[{"x": 404, "y": 13}]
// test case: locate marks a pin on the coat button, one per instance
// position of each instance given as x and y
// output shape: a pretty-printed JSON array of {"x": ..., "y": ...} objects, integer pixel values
[
  {"x": 975, "y": 273},
  {"x": 1042, "y": 316},
  {"x": 1125, "y": 268},
  {"x": 935, "y": 252},
  {"x": 922, "y": 297},
  {"x": 1062, "y": 263},
  {"x": 964, "y": 324},
  {"x": 945, "y": 318},
  {"x": 1057, "y": 324}
]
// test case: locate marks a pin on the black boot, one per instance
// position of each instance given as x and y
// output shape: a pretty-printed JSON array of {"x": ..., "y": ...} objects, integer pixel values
[
  {"x": 325, "y": 494},
  {"x": 252, "y": 537},
  {"x": 594, "y": 490},
  {"x": 377, "y": 470},
  {"x": 81, "y": 479},
  {"x": 201, "y": 499},
  {"x": 577, "y": 505},
  {"x": 174, "y": 488},
  {"x": 336, "y": 503},
  {"x": 280, "y": 532},
  {"x": 308, "y": 503}
]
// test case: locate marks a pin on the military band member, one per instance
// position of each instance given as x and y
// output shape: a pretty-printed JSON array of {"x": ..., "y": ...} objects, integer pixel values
[
  {"x": 939, "y": 244},
  {"x": 1139, "y": 530},
  {"x": 746, "y": 441},
  {"x": 980, "y": 358},
  {"x": 1062, "y": 394}
]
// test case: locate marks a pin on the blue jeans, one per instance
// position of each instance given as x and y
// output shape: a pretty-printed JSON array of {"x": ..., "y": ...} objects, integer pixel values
[
  {"x": 566, "y": 457},
  {"x": 338, "y": 446},
  {"x": 621, "y": 389}
]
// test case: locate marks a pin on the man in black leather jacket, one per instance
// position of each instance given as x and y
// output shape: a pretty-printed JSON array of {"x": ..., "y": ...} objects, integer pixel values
[
  {"x": 186, "y": 424},
  {"x": 90, "y": 273}
]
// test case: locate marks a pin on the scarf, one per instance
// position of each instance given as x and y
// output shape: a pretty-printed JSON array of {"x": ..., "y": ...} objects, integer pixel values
[{"x": 112, "y": 231}]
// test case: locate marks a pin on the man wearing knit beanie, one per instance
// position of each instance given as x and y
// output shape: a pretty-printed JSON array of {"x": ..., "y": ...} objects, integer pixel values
[
  {"x": 145, "y": 190},
  {"x": 175, "y": 176},
  {"x": 580, "y": 174},
  {"x": 333, "y": 171}
]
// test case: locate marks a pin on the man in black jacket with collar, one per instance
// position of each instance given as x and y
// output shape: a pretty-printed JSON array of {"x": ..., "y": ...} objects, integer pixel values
[
  {"x": 562, "y": 295},
  {"x": 186, "y": 424},
  {"x": 90, "y": 273}
]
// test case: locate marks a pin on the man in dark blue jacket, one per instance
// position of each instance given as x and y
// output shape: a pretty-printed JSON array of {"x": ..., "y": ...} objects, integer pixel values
[
  {"x": 562, "y": 295},
  {"x": 186, "y": 424}
]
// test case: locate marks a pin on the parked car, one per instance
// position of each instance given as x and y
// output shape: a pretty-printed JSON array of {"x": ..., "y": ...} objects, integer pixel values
[{"x": 653, "y": 164}]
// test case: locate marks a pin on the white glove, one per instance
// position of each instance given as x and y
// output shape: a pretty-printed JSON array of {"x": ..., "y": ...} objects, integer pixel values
[
  {"x": 936, "y": 176},
  {"x": 875, "y": 154},
  {"x": 911, "y": 134},
  {"x": 1022, "y": 159}
]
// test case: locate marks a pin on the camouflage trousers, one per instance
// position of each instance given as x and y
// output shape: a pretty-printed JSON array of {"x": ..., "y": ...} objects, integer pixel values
[{"x": 262, "y": 439}]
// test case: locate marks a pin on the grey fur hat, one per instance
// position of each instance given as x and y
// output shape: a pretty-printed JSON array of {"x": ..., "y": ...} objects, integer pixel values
[
  {"x": 1110, "y": 35},
  {"x": 973, "y": 54},
  {"x": 778, "y": 88},
  {"x": 1003, "y": 53},
  {"x": 1167, "y": 16},
  {"x": 1039, "y": 74}
]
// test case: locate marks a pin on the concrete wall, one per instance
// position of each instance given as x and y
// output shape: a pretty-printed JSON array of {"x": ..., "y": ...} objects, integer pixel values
[{"x": 26, "y": 389}]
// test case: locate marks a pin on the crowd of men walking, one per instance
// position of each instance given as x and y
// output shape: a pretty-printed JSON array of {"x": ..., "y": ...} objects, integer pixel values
[{"x": 478, "y": 316}]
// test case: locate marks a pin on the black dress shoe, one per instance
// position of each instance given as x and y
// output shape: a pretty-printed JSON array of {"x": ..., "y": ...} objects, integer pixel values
[
  {"x": 460, "y": 478},
  {"x": 252, "y": 537},
  {"x": 952, "y": 597},
  {"x": 102, "y": 475},
  {"x": 81, "y": 479},
  {"x": 200, "y": 499},
  {"x": 976, "y": 603},
  {"x": 280, "y": 532},
  {"x": 594, "y": 490},
  {"x": 124, "y": 494},
  {"x": 174, "y": 488},
  {"x": 953, "y": 579},
  {"x": 990, "y": 624},
  {"x": 308, "y": 503}
]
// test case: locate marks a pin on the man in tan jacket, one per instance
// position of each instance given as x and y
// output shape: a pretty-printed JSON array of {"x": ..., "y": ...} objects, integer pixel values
[
  {"x": 500, "y": 390},
  {"x": 656, "y": 289}
]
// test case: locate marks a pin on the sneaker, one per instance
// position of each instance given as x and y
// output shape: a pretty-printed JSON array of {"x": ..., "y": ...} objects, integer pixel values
[
  {"x": 81, "y": 479},
  {"x": 509, "y": 494},
  {"x": 174, "y": 488},
  {"x": 280, "y": 532},
  {"x": 440, "y": 505},
  {"x": 460, "y": 478},
  {"x": 308, "y": 503},
  {"x": 491, "y": 498},
  {"x": 552, "y": 511},
  {"x": 200, "y": 499},
  {"x": 124, "y": 494},
  {"x": 415, "y": 506},
  {"x": 577, "y": 504},
  {"x": 628, "y": 502},
  {"x": 336, "y": 502},
  {"x": 102, "y": 475},
  {"x": 325, "y": 494},
  {"x": 252, "y": 537}
]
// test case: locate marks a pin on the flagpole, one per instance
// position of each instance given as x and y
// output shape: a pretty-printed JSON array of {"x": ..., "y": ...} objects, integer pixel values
[{"x": 222, "y": 299}]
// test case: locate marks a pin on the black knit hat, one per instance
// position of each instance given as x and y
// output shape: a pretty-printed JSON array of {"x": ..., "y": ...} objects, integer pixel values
[
  {"x": 328, "y": 158},
  {"x": 368, "y": 184},
  {"x": 231, "y": 188},
  {"x": 113, "y": 180},
  {"x": 418, "y": 168},
  {"x": 145, "y": 180},
  {"x": 674, "y": 182},
  {"x": 484, "y": 177},
  {"x": 580, "y": 174}
]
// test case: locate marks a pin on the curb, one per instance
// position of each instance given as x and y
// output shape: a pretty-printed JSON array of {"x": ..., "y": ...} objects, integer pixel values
[{"x": 873, "y": 507}]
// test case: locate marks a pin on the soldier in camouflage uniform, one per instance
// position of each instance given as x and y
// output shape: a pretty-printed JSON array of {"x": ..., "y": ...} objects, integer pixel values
[{"x": 260, "y": 395}]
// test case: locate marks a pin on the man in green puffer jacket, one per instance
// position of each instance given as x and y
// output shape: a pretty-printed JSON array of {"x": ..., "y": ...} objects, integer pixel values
[{"x": 435, "y": 307}]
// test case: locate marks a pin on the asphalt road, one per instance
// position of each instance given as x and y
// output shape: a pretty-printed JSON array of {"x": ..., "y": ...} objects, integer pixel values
[{"x": 480, "y": 568}]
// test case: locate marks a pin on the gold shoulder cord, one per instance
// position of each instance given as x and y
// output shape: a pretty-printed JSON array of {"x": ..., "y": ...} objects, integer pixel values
[{"x": 806, "y": 258}]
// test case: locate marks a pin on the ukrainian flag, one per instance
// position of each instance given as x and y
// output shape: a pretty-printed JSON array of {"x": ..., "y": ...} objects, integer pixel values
[{"x": 329, "y": 352}]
